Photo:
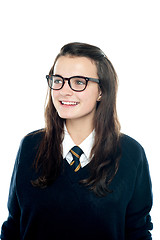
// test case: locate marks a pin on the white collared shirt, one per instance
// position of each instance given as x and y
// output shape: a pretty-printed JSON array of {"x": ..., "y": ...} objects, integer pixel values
[{"x": 86, "y": 147}]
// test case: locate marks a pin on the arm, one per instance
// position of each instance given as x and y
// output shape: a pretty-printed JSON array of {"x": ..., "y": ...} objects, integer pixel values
[
  {"x": 10, "y": 228},
  {"x": 138, "y": 220}
]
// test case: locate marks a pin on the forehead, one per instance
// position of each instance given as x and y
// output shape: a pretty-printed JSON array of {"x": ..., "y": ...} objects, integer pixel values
[{"x": 68, "y": 66}]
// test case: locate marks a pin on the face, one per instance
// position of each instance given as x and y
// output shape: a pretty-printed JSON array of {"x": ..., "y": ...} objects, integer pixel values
[{"x": 72, "y": 105}]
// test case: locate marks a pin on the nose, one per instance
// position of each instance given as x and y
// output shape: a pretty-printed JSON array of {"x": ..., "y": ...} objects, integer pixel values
[{"x": 66, "y": 90}]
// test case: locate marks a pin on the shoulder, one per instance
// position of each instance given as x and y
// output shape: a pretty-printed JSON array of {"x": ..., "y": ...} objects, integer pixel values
[
  {"x": 130, "y": 143},
  {"x": 28, "y": 147},
  {"x": 32, "y": 139},
  {"x": 132, "y": 150},
  {"x": 35, "y": 135}
]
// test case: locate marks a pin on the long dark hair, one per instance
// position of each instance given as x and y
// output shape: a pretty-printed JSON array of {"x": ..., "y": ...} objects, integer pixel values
[{"x": 106, "y": 150}]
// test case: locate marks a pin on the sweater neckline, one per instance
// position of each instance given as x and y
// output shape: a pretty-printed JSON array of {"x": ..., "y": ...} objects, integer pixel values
[{"x": 83, "y": 173}]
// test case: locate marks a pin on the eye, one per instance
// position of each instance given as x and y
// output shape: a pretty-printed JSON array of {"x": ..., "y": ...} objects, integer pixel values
[
  {"x": 57, "y": 80},
  {"x": 79, "y": 81}
]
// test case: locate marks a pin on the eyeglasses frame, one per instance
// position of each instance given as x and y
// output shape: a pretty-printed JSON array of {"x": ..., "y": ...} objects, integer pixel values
[{"x": 68, "y": 79}]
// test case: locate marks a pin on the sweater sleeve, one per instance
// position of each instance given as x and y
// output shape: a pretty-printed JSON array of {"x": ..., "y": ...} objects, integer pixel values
[
  {"x": 10, "y": 228},
  {"x": 138, "y": 220}
]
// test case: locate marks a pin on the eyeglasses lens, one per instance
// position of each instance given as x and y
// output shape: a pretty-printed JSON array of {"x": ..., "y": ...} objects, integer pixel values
[
  {"x": 56, "y": 82},
  {"x": 76, "y": 83}
]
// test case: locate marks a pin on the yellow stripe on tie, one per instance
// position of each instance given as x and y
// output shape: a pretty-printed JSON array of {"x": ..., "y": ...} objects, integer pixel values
[
  {"x": 72, "y": 163},
  {"x": 77, "y": 168},
  {"x": 75, "y": 154}
]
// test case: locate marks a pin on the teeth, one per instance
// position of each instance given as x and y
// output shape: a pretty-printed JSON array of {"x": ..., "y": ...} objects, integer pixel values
[{"x": 69, "y": 103}]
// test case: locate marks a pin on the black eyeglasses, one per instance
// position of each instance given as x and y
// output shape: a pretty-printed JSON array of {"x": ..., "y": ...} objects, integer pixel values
[{"x": 76, "y": 83}]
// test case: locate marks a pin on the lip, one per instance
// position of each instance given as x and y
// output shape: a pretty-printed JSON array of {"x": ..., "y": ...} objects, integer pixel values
[{"x": 68, "y": 103}]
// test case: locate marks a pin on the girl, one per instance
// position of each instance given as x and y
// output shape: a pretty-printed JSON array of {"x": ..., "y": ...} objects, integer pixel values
[{"x": 80, "y": 177}]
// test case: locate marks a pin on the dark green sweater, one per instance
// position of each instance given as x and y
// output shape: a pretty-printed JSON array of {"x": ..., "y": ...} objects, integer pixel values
[{"x": 68, "y": 210}]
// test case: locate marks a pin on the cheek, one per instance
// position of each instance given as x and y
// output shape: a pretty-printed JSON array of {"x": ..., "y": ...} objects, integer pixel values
[
  {"x": 93, "y": 94},
  {"x": 54, "y": 96},
  {"x": 90, "y": 98}
]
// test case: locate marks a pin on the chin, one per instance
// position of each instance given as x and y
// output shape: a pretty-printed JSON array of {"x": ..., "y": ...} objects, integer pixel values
[{"x": 65, "y": 116}]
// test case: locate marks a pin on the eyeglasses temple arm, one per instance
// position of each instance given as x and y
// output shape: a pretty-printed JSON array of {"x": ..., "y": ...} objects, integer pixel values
[{"x": 94, "y": 80}]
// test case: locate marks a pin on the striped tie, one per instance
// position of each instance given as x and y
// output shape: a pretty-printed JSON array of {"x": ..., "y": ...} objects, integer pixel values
[{"x": 76, "y": 153}]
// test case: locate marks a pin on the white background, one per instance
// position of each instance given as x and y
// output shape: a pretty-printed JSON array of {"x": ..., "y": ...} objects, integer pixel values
[{"x": 32, "y": 33}]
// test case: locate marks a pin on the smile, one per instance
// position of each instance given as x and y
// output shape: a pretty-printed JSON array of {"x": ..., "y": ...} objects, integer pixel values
[{"x": 69, "y": 103}]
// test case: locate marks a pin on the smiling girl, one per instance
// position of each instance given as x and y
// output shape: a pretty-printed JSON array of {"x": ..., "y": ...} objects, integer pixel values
[{"x": 80, "y": 177}]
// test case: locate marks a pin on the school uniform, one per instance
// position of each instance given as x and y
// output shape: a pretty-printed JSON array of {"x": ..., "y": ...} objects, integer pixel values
[{"x": 67, "y": 209}]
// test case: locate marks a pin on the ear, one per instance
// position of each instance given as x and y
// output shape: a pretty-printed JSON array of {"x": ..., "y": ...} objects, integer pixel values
[{"x": 99, "y": 96}]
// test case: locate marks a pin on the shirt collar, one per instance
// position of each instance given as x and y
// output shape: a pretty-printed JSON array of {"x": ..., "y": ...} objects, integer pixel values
[{"x": 86, "y": 145}]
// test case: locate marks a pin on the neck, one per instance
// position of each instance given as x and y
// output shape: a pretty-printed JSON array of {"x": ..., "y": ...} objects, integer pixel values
[{"x": 78, "y": 131}]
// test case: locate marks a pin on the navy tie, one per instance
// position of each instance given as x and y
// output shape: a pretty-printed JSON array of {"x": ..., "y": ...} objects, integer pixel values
[{"x": 76, "y": 153}]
